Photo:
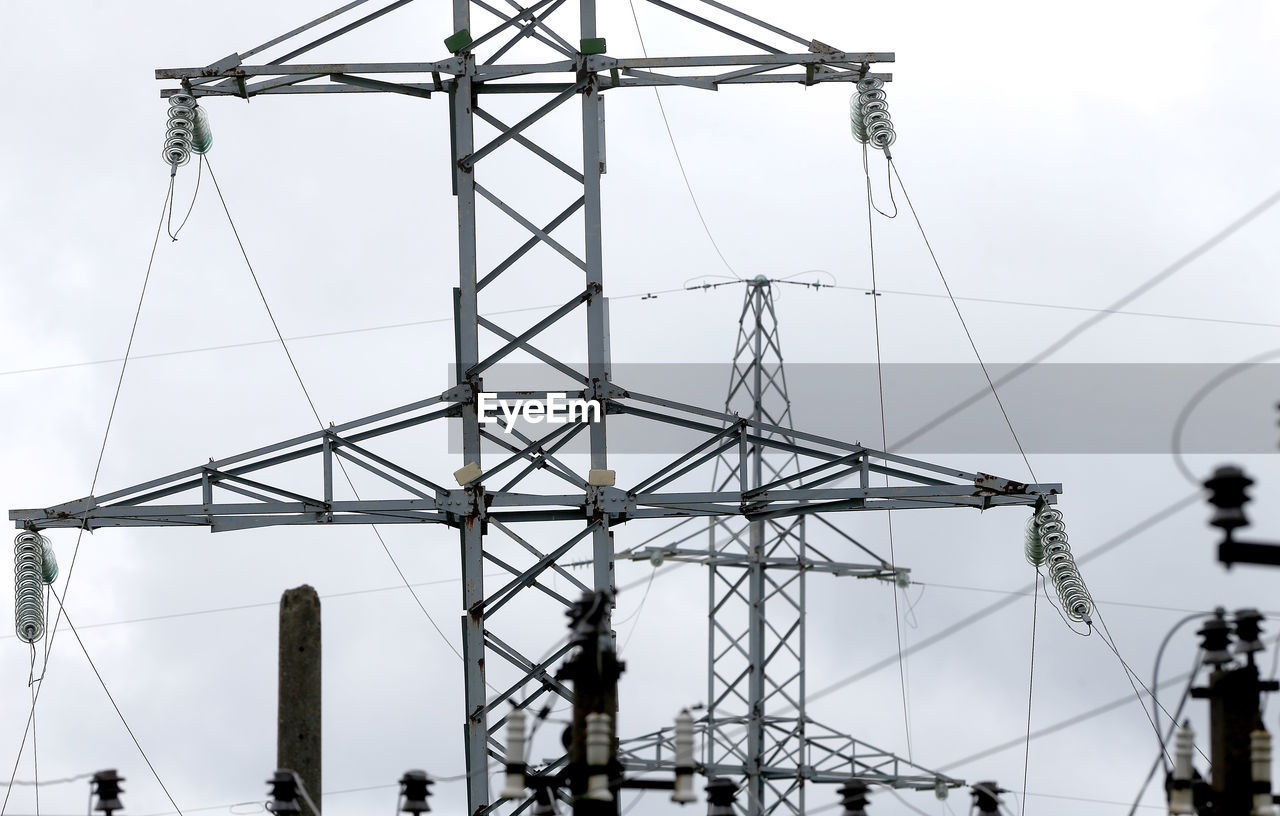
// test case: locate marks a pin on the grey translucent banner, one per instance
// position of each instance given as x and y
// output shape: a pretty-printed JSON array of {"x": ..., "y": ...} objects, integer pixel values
[{"x": 1118, "y": 408}]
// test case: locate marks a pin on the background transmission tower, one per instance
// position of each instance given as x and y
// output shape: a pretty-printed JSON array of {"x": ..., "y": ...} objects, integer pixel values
[{"x": 756, "y": 726}]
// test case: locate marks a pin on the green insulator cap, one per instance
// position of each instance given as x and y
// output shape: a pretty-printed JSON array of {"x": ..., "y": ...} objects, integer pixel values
[
  {"x": 48, "y": 562},
  {"x": 457, "y": 41},
  {"x": 201, "y": 133},
  {"x": 1035, "y": 544}
]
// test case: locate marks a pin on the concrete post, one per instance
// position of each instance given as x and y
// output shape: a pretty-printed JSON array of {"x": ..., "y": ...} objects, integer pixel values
[{"x": 298, "y": 722}]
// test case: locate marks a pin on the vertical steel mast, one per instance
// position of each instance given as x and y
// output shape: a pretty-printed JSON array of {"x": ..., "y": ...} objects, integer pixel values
[
  {"x": 746, "y": 685},
  {"x": 529, "y": 510},
  {"x": 756, "y": 726},
  {"x": 585, "y": 253}
]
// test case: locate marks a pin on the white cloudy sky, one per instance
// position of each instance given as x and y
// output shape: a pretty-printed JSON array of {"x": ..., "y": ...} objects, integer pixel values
[{"x": 1057, "y": 155}]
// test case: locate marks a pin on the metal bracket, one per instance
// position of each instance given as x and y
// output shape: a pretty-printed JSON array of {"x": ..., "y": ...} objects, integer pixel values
[
  {"x": 462, "y": 502},
  {"x": 995, "y": 484},
  {"x": 611, "y": 501},
  {"x": 463, "y": 392}
]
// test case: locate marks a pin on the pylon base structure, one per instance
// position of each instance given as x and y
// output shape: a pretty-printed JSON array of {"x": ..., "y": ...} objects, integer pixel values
[{"x": 510, "y": 70}]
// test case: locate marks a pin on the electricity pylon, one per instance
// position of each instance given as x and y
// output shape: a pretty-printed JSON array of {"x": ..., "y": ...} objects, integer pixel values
[
  {"x": 517, "y": 67},
  {"x": 755, "y": 724}
]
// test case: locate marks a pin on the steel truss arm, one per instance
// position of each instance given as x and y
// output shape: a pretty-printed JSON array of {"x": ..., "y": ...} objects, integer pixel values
[
  {"x": 422, "y": 499},
  {"x": 720, "y": 558},
  {"x": 614, "y": 73},
  {"x": 827, "y": 757}
]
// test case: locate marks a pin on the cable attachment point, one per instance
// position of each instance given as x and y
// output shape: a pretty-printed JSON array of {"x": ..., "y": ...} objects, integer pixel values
[{"x": 869, "y": 115}]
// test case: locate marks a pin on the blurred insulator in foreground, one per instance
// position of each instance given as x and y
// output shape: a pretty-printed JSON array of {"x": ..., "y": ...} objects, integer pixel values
[
  {"x": 284, "y": 792},
  {"x": 106, "y": 786},
  {"x": 853, "y": 795},
  {"x": 414, "y": 788}
]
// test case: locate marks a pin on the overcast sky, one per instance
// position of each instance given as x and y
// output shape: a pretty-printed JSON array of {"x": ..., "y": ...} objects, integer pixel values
[{"x": 1057, "y": 156}]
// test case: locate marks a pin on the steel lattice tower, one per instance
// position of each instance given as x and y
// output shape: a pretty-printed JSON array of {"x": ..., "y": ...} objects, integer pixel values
[
  {"x": 756, "y": 725},
  {"x": 529, "y": 510},
  {"x": 758, "y": 668}
]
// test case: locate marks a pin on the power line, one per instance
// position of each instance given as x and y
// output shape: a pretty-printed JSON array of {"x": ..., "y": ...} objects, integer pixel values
[
  {"x": 35, "y": 754},
  {"x": 263, "y": 604},
  {"x": 1024, "y": 594},
  {"x": 1160, "y": 754},
  {"x": 1084, "y": 799},
  {"x": 119, "y": 713},
  {"x": 991, "y": 609},
  {"x": 327, "y": 793},
  {"x": 341, "y": 465},
  {"x": 1035, "y": 599},
  {"x": 884, "y": 442},
  {"x": 968, "y": 335},
  {"x": 1099, "y": 313},
  {"x": 1083, "y": 326},
  {"x": 106, "y": 434},
  {"x": 1064, "y": 307},
  {"x": 1132, "y": 676},
  {"x": 639, "y": 582},
  {"x": 1180, "y": 424},
  {"x": 1031, "y": 684},
  {"x": 47, "y": 782},
  {"x": 1083, "y": 716},
  {"x": 900, "y": 798},
  {"x": 679, "y": 161},
  {"x": 319, "y": 335},
  {"x": 825, "y": 808},
  {"x": 632, "y": 296}
]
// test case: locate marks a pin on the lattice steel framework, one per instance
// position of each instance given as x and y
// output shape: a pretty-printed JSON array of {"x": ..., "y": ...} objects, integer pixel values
[
  {"x": 756, "y": 725},
  {"x": 756, "y": 615},
  {"x": 512, "y": 68}
]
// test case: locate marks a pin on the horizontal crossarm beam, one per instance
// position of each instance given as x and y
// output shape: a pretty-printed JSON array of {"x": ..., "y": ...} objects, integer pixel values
[
  {"x": 233, "y": 79},
  {"x": 456, "y": 66},
  {"x": 833, "y": 758},
  {"x": 213, "y": 495},
  {"x": 731, "y": 559}
]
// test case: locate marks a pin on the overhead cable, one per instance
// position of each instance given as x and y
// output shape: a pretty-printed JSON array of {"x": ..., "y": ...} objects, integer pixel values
[
  {"x": 884, "y": 434},
  {"x": 676, "y": 150},
  {"x": 115, "y": 706},
  {"x": 1127, "y": 535},
  {"x": 307, "y": 394},
  {"x": 93, "y": 483},
  {"x": 650, "y": 294},
  {"x": 1133, "y": 294}
]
